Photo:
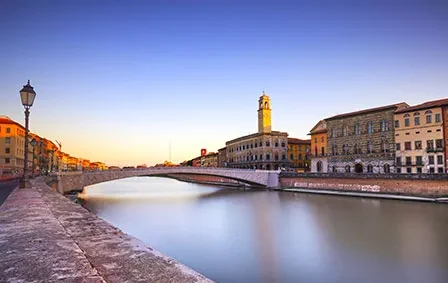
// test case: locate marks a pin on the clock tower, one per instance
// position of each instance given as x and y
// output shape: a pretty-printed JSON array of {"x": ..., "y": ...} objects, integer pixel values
[{"x": 264, "y": 114}]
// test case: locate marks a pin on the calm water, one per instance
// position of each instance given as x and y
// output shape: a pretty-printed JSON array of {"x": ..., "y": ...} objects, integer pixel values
[{"x": 259, "y": 236}]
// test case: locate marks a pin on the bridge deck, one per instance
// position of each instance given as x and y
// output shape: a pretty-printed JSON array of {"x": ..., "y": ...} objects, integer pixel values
[{"x": 47, "y": 238}]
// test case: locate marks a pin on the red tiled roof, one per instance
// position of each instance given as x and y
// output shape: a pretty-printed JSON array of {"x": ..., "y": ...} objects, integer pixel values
[
  {"x": 426, "y": 105},
  {"x": 399, "y": 106},
  {"x": 7, "y": 120},
  {"x": 298, "y": 141}
]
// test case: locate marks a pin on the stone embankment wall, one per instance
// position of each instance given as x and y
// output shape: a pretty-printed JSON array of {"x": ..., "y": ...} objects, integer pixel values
[
  {"x": 413, "y": 185},
  {"x": 47, "y": 238}
]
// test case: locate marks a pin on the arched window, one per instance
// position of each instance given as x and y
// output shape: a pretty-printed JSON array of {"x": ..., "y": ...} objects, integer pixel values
[
  {"x": 406, "y": 115},
  {"x": 345, "y": 131},
  {"x": 322, "y": 151},
  {"x": 386, "y": 168},
  {"x": 266, "y": 105},
  {"x": 347, "y": 168},
  {"x": 384, "y": 125},
  {"x": 370, "y": 168},
  {"x": 358, "y": 168},
  {"x": 428, "y": 112}
]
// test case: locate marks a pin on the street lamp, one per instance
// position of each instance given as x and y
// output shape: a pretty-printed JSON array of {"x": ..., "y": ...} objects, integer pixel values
[
  {"x": 33, "y": 144},
  {"x": 27, "y": 95}
]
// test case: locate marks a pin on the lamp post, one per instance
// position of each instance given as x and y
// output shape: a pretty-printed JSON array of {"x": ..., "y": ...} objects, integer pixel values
[
  {"x": 33, "y": 144},
  {"x": 27, "y": 95}
]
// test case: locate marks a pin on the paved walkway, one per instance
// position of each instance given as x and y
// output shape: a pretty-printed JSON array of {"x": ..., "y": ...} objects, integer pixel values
[{"x": 46, "y": 238}]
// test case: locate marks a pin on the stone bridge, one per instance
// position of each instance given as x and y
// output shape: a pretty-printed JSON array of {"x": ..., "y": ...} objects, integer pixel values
[{"x": 69, "y": 181}]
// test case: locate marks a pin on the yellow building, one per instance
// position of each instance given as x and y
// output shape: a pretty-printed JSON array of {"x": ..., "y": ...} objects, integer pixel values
[
  {"x": 319, "y": 150},
  {"x": 299, "y": 154},
  {"x": 264, "y": 150},
  {"x": 419, "y": 138},
  {"x": 12, "y": 147}
]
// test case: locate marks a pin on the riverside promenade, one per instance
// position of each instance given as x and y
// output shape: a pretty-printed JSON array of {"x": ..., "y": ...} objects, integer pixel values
[{"x": 46, "y": 238}]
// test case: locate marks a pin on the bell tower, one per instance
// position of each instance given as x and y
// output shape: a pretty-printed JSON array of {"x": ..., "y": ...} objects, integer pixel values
[{"x": 264, "y": 114}]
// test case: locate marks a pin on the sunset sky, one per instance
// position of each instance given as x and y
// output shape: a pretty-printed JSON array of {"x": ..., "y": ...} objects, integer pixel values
[{"x": 117, "y": 81}]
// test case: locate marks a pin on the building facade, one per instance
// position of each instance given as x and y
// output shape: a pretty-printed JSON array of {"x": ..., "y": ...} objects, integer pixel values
[
  {"x": 319, "y": 149},
  {"x": 265, "y": 150},
  {"x": 222, "y": 157},
  {"x": 363, "y": 141},
  {"x": 419, "y": 138},
  {"x": 445, "y": 134},
  {"x": 12, "y": 147},
  {"x": 299, "y": 153}
]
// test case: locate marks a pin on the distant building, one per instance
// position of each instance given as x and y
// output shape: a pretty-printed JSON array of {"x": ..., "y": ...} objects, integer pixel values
[
  {"x": 419, "y": 138},
  {"x": 222, "y": 157},
  {"x": 363, "y": 141},
  {"x": 319, "y": 149},
  {"x": 210, "y": 160},
  {"x": 299, "y": 154},
  {"x": 265, "y": 149}
]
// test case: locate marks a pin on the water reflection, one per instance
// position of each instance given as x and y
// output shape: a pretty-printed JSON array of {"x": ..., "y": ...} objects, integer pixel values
[{"x": 260, "y": 236}]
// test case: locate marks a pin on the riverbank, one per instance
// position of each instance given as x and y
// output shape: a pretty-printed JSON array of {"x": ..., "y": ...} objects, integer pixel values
[
  {"x": 365, "y": 195},
  {"x": 47, "y": 238}
]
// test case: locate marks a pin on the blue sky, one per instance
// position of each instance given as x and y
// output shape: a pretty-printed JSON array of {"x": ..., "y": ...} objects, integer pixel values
[{"x": 119, "y": 80}]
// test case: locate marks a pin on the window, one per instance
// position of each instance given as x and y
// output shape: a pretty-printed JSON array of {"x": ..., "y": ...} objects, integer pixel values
[
  {"x": 322, "y": 149},
  {"x": 419, "y": 169},
  {"x": 369, "y": 127},
  {"x": 417, "y": 121},
  {"x": 409, "y": 170},
  {"x": 384, "y": 146},
  {"x": 356, "y": 149},
  {"x": 276, "y": 144},
  {"x": 384, "y": 124},
  {"x": 345, "y": 149},
  {"x": 7, "y": 160},
  {"x": 408, "y": 161},
  {"x": 357, "y": 129},
  {"x": 7, "y": 140},
  {"x": 431, "y": 169},
  {"x": 284, "y": 157},
  {"x": 261, "y": 157},
  {"x": 430, "y": 144},
  {"x": 256, "y": 144},
  {"x": 334, "y": 169},
  {"x": 276, "y": 157},
  {"x": 347, "y": 168},
  {"x": 369, "y": 168},
  {"x": 406, "y": 122},
  {"x": 345, "y": 131},
  {"x": 440, "y": 159},
  {"x": 407, "y": 146},
  {"x": 418, "y": 144},
  {"x": 244, "y": 147},
  {"x": 437, "y": 118},
  {"x": 398, "y": 161},
  {"x": 291, "y": 157},
  {"x": 397, "y": 123},
  {"x": 283, "y": 144},
  {"x": 261, "y": 143},
  {"x": 386, "y": 168},
  {"x": 439, "y": 144},
  {"x": 334, "y": 132},
  {"x": 268, "y": 156},
  {"x": 7, "y": 150},
  {"x": 398, "y": 170},
  {"x": 268, "y": 143},
  {"x": 369, "y": 147},
  {"x": 8, "y": 130},
  {"x": 428, "y": 119},
  {"x": 431, "y": 159},
  {"x": 397, "y": 146},
  {"x": 418, "y": 160},
  {"x": 300, "y": 156},
  {"x": 334, "y": 149}
]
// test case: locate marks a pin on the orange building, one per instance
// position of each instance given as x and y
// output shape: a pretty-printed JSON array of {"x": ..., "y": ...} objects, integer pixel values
[
  {"x": 12, "y": 147},
  {"x": 299, "y": 154},
  {"x": 319, "y": 149}
]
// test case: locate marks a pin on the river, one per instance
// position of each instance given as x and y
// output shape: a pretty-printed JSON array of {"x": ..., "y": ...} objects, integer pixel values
[{"x": 231, "y": 235}]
